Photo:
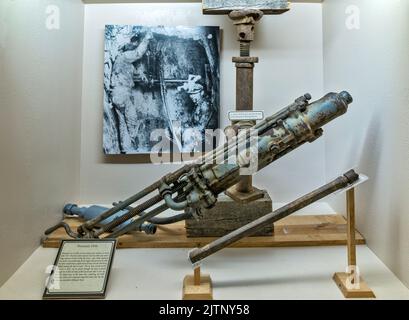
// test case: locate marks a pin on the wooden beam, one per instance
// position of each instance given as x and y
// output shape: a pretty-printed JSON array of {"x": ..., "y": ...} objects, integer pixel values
[
  {"x": 197, "y": 276},
  {"x": 226, "y": 6},
  {"x": 173, "y": 1},
  {"x": 293, "y": 231},
  {"x": 351, "y": 227}
]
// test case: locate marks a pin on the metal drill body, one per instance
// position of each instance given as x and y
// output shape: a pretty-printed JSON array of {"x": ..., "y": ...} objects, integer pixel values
[
  {"x": 197, "y": 186},
  {"x": 279, "y": 135}
]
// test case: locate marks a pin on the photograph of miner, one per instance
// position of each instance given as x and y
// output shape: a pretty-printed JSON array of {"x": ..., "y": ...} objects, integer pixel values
[{"x": 160, "y": 83}]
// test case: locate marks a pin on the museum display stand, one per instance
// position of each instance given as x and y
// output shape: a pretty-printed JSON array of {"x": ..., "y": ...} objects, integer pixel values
[
  {"x": 197, "y": 286},
  {"x": 293, "y": 231},
  {"x": 350, "y": 282},
  {"x": 246, "y": 201},
  {"x": 309, "y": 229}
]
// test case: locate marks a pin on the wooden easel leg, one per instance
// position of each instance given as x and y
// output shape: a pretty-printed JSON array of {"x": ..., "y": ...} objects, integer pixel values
[
  {"x": 197, "y": 286},
  {"x": 197, "y": 276},
  {"x": 350, "y": 283},
  {"x": 351, "y": 227}
]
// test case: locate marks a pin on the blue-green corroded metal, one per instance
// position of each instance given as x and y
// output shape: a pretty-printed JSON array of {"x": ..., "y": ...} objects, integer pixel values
[
  {"x": 88, "y": 213},
  {"x": 293, "y": 126},
  {"x": 196, "y": 186}
]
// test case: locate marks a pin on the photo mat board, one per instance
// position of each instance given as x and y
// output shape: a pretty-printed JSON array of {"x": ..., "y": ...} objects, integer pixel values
[{"x": 161, "y": 86}]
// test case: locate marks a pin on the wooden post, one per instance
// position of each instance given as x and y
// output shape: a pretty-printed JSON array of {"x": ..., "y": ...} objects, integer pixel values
[
  {"x": 197, "y": 276},
  {"x": 351, "y": 246},
  {"x": 197, "y": 286},
  {"x": 346, "y": 280}
]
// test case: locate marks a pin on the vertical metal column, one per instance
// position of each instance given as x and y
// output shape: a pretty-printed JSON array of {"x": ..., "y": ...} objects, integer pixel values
[
  {"x": 245, "y": 21},
  {"x": 244, "y": 101}
]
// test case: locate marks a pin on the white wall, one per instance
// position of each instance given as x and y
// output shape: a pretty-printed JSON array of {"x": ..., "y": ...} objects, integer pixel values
[
  {"x": 40, "y": 101},
  {"x": 290, "y": 51},
  {"x": 373, "y": 63}
]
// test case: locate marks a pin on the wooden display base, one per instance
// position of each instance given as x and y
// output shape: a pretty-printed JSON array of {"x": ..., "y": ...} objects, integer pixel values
[
  {"x": 364, "y": 291},
  {"x": 293, "y": 231},
  {"x": 197, "y": 287}
]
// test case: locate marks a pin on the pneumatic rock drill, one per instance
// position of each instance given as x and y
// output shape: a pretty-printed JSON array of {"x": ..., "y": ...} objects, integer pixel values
[{"x": 197, "y": 185}]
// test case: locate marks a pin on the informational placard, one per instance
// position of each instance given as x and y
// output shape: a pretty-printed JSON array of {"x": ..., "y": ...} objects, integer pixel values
[
  {"x": 226, "y": 6},
  {"x": 81, "y": 269},
  {"x": 246, "y": 115}
]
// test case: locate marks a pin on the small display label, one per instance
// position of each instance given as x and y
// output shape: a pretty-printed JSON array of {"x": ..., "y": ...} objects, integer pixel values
[
  {"x": 81, "y": 269},
  {"x": 246, "y": 115}
]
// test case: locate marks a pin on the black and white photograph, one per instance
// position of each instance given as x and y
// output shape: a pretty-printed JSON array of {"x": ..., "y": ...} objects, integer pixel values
[{"x": 160, "y": 82}]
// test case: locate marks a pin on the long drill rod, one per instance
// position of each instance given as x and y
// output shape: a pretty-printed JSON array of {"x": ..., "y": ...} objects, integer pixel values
[
  {"x": 199, "y": 183},
  {"x": 341, "y": 182},
  {"x": 122, "y": 205},
  {"x": 216, "y": 155}
]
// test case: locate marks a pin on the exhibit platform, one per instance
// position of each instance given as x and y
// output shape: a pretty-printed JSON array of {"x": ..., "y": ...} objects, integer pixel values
[
  {"x": 293, "y": 231},
  {"x": 257, "y": 273}
]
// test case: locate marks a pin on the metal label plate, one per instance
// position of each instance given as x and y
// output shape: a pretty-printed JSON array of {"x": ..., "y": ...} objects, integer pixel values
[{"x": 246, "y": 115}]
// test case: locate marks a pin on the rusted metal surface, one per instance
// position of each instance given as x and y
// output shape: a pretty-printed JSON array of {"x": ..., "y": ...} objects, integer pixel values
[
  {"x": 341, "y": 182},
  {"x": 244, "y": 192},
  {"x": 196, "y": 186},
  {"x": 87, "y": 230},
  {"x": 244, "y": 86},
  {"x": 278, "y": 135},
  {"x": 244, "y": 20}
]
